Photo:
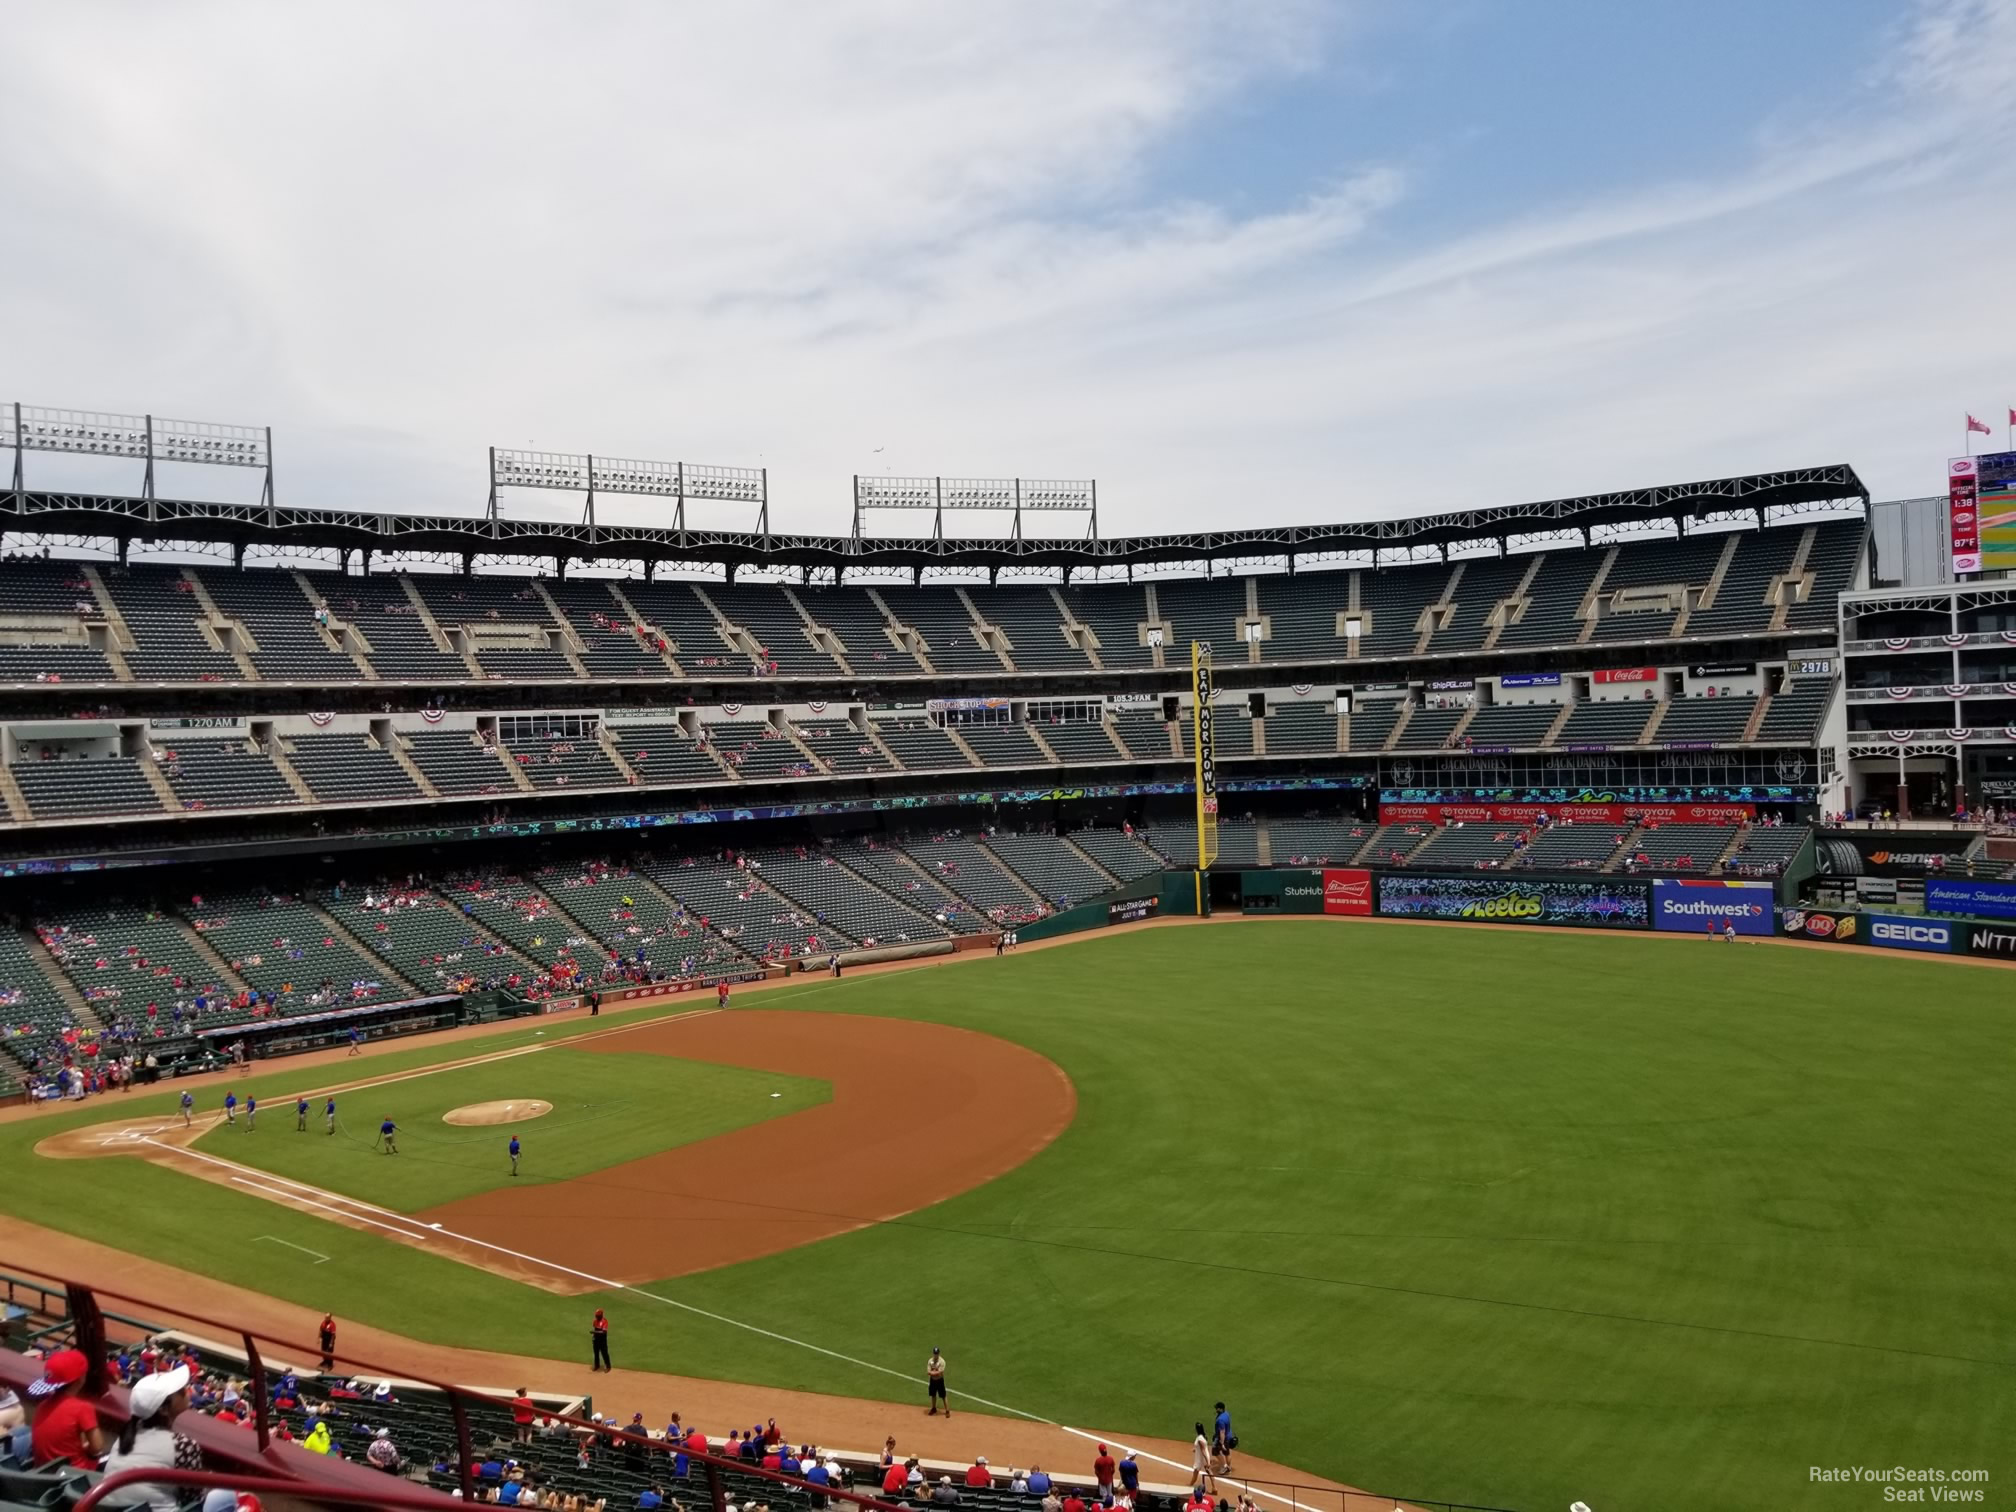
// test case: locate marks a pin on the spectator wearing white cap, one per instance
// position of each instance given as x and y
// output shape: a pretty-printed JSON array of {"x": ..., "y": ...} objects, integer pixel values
[
  {"x": 383, "y": 1453},
  {"x": 148, "y": 1440}
]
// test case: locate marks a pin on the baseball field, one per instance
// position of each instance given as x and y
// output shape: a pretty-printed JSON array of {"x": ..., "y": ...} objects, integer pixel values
[{"x": 1488, "y": 1215}]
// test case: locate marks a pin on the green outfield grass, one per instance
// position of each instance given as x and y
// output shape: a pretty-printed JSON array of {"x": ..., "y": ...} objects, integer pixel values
[
  {"x": 1500, "y": 1217},
  {"x": 606, "y": 1109}
]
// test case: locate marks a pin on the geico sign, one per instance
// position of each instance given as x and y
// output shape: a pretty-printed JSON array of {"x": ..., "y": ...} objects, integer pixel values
[{"x": 1937, "y": 935}]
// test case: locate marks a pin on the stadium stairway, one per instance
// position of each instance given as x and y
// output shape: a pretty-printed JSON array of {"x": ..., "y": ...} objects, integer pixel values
[
  {"x": 276, "y": 748},
  {"x": 342, "y": 635},
  {"x": 119, "y": 635},
  {"x": 636, "y": 616},
  {"x": 232, "y": 635},
  {"x": 58, "y": 979},
  {"x": 674, "y": 907},
  {"x": 15, "y": 799},
  {"x": 443, "y": 642}
]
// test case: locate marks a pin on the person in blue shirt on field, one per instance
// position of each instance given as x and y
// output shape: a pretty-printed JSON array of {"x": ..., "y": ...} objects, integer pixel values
[
  {"x": 188, "y": 1108},
  {"x": 388, "y": 1135},
  {"x": 329, "y": 1115},
  {"x": 301, "y": 1115},
  {"x": 251, "y": 1112},
  {"x": 231, "y": 1107},
  {"x": 1222, "y": 1441},
  {"x": 514, "y": 1154}
]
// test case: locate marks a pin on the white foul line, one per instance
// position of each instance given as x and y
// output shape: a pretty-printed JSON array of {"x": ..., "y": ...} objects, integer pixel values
[
  {"x": 354, "y": 1210},
  {"x": 320, "y": 1258}
]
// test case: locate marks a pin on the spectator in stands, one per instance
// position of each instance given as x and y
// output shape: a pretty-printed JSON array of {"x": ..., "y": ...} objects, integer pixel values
[
  {"x": 944, "y": 1494},
  {"x": 65, "y": 1425},
  {"x": 522, "y": 1412},
  {"x": 148, "y": 1440},
  {"x": 383, "y": 1453},
  {"x": 1039, "y": 1481},
  {"x": 978, "y": 1476},
  {"x": 1103, "y": 1470}
]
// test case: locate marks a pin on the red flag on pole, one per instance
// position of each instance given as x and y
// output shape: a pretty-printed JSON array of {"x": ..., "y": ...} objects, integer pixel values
[{"x": 1977, "y": 425}]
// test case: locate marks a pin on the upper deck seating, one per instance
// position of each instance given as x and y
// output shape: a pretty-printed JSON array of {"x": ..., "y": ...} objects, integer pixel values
[{"x": 269, "y": 603}]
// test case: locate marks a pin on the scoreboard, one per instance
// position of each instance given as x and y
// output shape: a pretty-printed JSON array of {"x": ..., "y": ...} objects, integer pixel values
[{"x": 1981, "y": 512}]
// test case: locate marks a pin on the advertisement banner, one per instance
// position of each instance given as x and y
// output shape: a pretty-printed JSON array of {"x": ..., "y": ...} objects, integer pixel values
[
  {"x": 1702, "y": 905},
  {"x": 1301, "y": 892},
  {"x": 1132, "y": 910},
  {"x": 1451, "y": 684},
  {"x": 1580, "y": 813},
  {"x": 1486, "y": 900},
  {"x": 1993, "y": 940},
  {"x": 1625, "y": 675},
  {"x": 1987, "y": 900},
  {"x": 1901, "y": 932},
  {"x": 1530, "y": 680},
  {"x": 1963, "y": 513},
  {"x": 1826, "y": 925},
  {"x": 1995, "y": 504},
  {"x": 1347, "y": 890},
  {"x": 1726, "y": 669},
  {"x": 1897, "y": 853}
]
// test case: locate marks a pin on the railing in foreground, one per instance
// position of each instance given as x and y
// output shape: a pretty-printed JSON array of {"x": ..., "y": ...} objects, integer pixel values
[{"x": 87, "y": 1320}]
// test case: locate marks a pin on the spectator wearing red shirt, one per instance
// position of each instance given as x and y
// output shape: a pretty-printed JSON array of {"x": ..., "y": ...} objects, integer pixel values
[
  {"x": 1102, "y": 1472},
  {"x": 1073, "y": 1502},
  {"x": 894, "y": 1480},
  {"x": 66, "y": 1425},
  {"x": 521, "y": 1416},
  {"x": 978, "y": 1476}
]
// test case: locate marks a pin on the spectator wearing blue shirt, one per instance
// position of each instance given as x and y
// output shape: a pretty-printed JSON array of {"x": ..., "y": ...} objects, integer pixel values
[
  {"x": 653, "y": 1497},
  {"x": 1130, "y": 1473},
  {"x": 791, "y": 1464},
  {"x": 816, "y": 1473},
  {"x": 1039, "y": 1481},
  {"x": 491, "y": 1470}
]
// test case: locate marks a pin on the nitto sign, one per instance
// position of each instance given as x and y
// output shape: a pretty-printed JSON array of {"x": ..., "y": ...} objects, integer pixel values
[{"x": 1990, "y": 941}]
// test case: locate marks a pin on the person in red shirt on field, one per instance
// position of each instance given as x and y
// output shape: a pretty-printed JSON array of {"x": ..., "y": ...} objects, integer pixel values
[
  {"x": 721, "y": 994},
  {"x": 978, "y": 1476}
]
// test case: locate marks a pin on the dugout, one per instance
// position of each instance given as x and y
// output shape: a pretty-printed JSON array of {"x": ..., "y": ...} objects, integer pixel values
[{"x": 299, "y": 1033}]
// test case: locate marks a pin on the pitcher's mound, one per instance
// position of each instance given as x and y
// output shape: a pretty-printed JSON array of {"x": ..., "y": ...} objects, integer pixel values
[{"x": 497, "y": 1112}]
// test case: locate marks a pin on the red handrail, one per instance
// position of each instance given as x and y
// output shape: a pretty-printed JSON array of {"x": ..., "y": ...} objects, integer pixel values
[{"x": 457, "y": 1398}]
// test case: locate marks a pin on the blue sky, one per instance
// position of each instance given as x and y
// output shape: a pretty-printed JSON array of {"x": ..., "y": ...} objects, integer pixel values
[{"x": 1291, "y": 261}]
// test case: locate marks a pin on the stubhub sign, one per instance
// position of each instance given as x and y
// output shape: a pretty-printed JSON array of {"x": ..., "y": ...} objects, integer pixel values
[
  {"x": 1901, "y": 932},
  {"x": 1702, "y": 905}
]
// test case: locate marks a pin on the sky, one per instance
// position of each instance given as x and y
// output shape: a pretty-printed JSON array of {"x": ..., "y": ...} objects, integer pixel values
[{"x": 1243, "y": 263}]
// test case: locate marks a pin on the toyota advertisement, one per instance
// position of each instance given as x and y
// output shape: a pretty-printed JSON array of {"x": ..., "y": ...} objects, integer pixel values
[
  {"x": 1580, "y": 813},
  {"x": 1347, "y": 890},
  {"x": 1482, "y": 900},
  {"x": 1705, "y": 905}
]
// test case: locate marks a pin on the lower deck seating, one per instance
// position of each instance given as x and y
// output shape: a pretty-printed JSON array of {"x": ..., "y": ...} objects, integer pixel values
[
  {"x": 1118, "y": 852},
  {"x": 1765, "y": 850},
  {"x": 891, "y": 869},
  {"x": 280, "y": 945},
  {"x": 1676, "y": 847},
  {"x": 1316, "y": 842},
  {"x": 1391, "y": 844},
  {"x": 1465, "y": 846},
  {"x": 971, "y": 871},
  {"x": 1050, "y": 866},
  {"x": 1572, "y": 847},
  {"x": 832, "y": 893}
]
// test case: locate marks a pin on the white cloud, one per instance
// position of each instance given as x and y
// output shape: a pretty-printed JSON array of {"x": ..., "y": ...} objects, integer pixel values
[{"x": 788, "y": 235}]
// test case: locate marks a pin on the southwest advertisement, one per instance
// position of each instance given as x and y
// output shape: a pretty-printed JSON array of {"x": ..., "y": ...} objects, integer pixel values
[
  {"x": 1587, "y": 904},
  {"x": 1704, "y": 905}
]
